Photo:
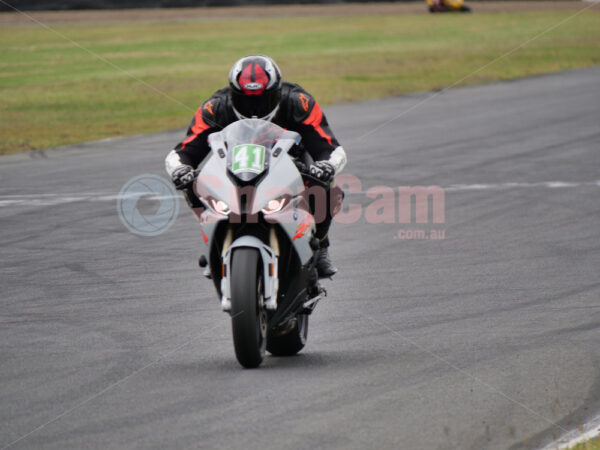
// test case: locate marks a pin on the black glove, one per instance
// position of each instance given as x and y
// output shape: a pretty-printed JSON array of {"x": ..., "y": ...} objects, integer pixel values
[
  {"x": 322, "y": 170},
  {"x": 183, "y": 177}
]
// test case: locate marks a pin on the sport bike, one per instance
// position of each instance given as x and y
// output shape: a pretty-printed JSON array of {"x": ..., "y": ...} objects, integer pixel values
[{"x": 257, "y": 229}]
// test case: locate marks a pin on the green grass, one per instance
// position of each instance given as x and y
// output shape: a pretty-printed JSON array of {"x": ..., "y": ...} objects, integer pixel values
[
  {"x": 55, "y": 93},
  {"x": 592, "y": 444}
]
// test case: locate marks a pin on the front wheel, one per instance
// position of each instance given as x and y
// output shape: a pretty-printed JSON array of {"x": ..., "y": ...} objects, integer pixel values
[
  {"x": 292, "y": 341},
  {"x": 248, "y": 315}
]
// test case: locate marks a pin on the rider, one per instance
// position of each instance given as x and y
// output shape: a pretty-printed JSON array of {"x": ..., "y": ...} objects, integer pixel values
[{"x": 256, "y": 90}]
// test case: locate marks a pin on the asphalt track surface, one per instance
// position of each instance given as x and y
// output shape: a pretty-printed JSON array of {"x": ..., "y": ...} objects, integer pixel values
[{"x": 488, "y": 338}]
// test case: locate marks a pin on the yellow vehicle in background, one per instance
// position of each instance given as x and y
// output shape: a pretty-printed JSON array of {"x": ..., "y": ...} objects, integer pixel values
[{"x": 447, "y": 6}]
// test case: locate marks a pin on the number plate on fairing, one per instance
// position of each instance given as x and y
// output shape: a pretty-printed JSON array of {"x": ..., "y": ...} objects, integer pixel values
[{"x": 248, "y": 158}]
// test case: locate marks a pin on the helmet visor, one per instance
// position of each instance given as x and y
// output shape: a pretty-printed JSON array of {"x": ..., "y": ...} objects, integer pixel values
[{"x": 255, "y": 105}]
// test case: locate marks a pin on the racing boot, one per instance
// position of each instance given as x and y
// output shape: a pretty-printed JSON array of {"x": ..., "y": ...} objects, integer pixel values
[
  {"x": 203, "y": 263},
  {"x": 325, "y": 267}
]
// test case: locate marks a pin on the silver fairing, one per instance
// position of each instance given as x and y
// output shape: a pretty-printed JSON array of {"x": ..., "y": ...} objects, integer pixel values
[{"x": 280, "y": 178}]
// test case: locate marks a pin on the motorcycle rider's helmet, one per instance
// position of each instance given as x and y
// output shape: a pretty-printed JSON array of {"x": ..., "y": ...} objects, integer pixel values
[{"x": 255, "y": 86}]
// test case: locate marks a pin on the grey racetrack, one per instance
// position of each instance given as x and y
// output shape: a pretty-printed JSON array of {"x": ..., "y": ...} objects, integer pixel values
[{"x": 489, "y": 338}]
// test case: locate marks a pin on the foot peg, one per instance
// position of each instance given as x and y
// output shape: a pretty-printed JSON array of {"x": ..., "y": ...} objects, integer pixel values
[{"x": 311, "y": 303}]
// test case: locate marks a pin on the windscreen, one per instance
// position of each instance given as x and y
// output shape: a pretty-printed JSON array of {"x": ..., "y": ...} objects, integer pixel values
[
  {"x": 252, "y": 131},
  {"x": 249, "y": 143}
]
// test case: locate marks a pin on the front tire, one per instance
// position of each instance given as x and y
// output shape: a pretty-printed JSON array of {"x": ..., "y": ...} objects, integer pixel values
[
  {"x": 292, "y": 342},
  {"x": 248, "y": 315}
]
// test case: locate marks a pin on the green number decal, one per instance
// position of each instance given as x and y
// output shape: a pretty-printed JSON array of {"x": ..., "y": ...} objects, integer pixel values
[{"x": 248, "y": 158}]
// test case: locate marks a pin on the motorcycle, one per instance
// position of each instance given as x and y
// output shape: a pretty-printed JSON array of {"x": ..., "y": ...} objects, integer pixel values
[
  {"x": 447, "y": 6},
  {"x": 258, "y": 237}
]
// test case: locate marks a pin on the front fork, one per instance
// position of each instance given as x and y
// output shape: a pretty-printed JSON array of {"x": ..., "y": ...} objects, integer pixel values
[{"x": 269, "y": 255}]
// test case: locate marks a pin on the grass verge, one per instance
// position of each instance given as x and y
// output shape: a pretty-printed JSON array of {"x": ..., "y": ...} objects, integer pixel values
[
  {"x": 54, "y": 92},
  {"x": 592, "y": 444}
]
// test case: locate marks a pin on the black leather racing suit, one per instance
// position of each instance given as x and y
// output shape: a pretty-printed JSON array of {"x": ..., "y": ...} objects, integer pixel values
[{"x": 298, "y": 111}]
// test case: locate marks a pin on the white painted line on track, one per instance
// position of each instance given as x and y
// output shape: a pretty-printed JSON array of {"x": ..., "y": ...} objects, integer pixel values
[
  {"x": 588, "y": 431},
  {"x": 492, "y": 186},
  {"x": 498, "y": 186},
  {"x": 60, "y": 199}
]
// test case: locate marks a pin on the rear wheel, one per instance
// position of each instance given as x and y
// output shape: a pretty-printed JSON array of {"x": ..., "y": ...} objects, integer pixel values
[
  {"x": 292, "y": 341},
  {"x": 248, "y": 315}
]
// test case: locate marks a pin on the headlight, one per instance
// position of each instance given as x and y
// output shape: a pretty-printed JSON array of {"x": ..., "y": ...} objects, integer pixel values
[
  {"x": 219, "y": 206},
  {"x": 274, "y": 206}
]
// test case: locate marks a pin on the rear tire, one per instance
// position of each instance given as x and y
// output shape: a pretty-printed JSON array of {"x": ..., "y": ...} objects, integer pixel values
[
  {"x": 290, "y": 343},
  {"x": 248, "y": 316}
]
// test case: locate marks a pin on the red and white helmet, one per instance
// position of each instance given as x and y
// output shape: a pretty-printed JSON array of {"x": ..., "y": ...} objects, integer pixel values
[{"x": 255, "y": 83}]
